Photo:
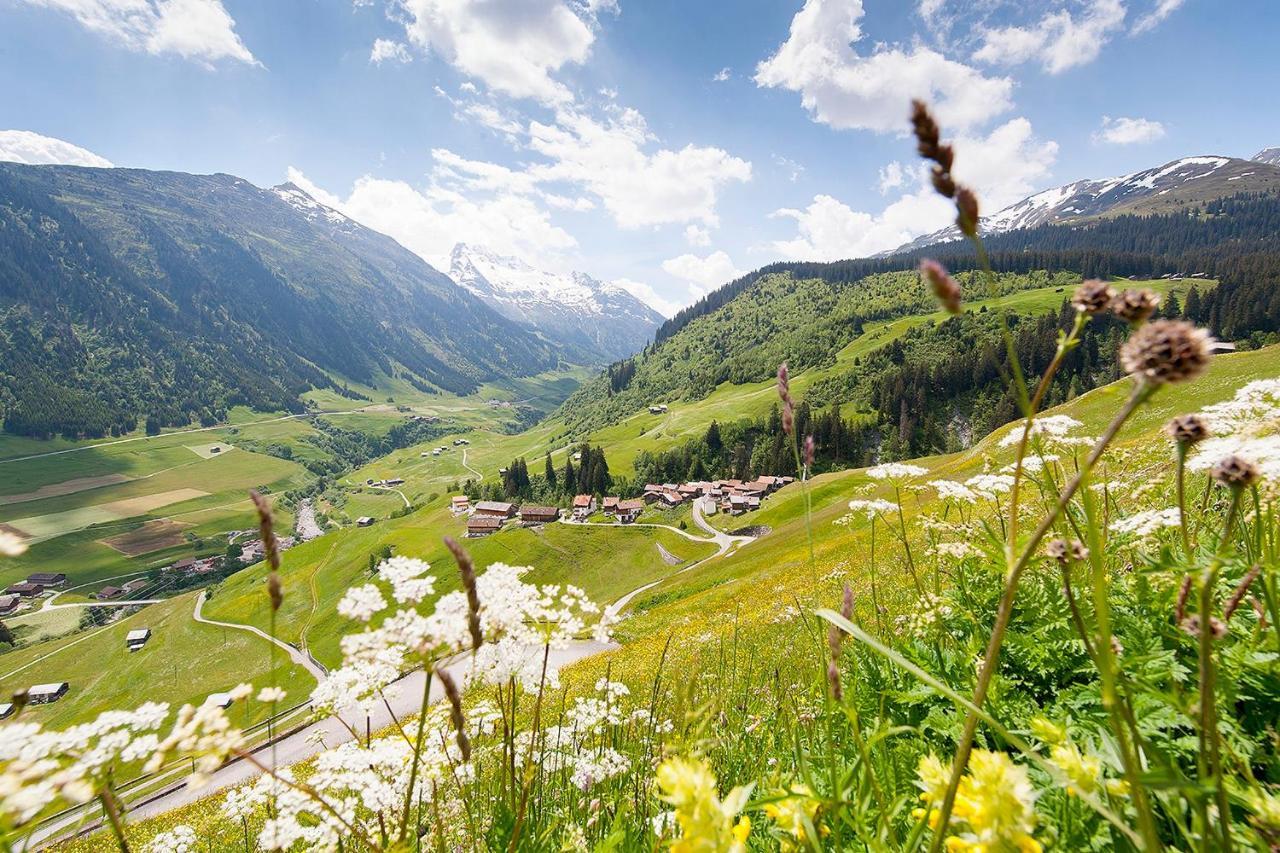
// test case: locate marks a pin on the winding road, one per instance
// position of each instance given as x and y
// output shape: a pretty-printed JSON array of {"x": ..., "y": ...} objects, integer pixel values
[{"x": 298, "y": 656}]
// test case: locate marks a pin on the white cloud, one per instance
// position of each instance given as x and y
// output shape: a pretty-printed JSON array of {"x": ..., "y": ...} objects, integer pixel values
[
  {"x": 1059, "y": 40},
  {"x": 24, "y": 146},
  {"x": 1004, "y": 167},
  {"x": 845, "y": 89},
  {"x": 387, "y": 49},
  {"x": 1128, "y": 131},
  {"x": 513, "y": 48},
  {"x": 697, "y": 235},
  {"x": 793, "y": 169},
  {"x": 608, "y": 158},
  {"x": 429, "y": 222},
  {"x": 722, "y": 75},
  {"x": 1153, "y": 19},
  {"x": 892, "y": 176},
  {"x": 200, "y": 30},
  {"x": 646, "y": 294},
  {"x": 710, "y": 272}
]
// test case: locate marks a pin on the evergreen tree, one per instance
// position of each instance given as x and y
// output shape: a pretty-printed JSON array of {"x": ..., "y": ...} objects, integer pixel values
[{"x": 550, "y": 473}]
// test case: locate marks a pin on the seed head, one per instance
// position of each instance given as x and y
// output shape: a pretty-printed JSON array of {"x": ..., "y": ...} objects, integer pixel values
[
  {"x": 455, "y": 711},
  {"x": 1166, "y": 351},
  {"x": 275, "y": 589},
  {"x": 467, "y": 569},
  {"x": 943, "y": 182},
  {"x": 1065, "y": 551},
  {"x": 1241, "y": 589},
  {"x": 265, "y": 530},
  {"x": 1184, "y": 592},
  {"x": 1187, "y": 429},
  {"x": 1092, "y": 296},
  {"x": 944, "y": 286},
  {"x": 967, "y": 211},
  {"x": 1235, "y": 472},
  {"x": 926, "y": 130},
  {"x": 784, "y": 394},
  {"x": 809, "y": 451},
  {"x": 1135, "y": 306},
  {"x": 1191, "y": 625}
]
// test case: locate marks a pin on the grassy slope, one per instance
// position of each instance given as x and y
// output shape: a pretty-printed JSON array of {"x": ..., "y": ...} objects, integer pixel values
[
  {"x": 104, "y": 675},
  {"x": 605, "y": 561}
]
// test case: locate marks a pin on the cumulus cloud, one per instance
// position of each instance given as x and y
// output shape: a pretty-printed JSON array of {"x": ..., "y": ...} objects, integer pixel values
[
  {"x": 1004, "y": 167},
  {"x": 892, "y": 176},
  {"x": 1128, "y": 131},
  {"x": 846, "y": 89},
  {"x": 722, "y": 75},
  {"x": 385, "y": 50},
  {"x": 430, "y": 221},
  {"x": 707, "y": 273},
  {"x": 24, "y": 146},
  {"x": 646, "y": 294},
  {"x": 697, "y": 235},
  {"x": 609, "y": 159},
  {"x": 199, "y": 30},
  {"x": 1060, "y": 40},
  {"x": 513, "y": 48}
]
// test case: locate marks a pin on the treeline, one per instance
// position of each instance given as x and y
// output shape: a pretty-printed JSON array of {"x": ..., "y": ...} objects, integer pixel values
[
  {"x": 555, "y": 486},
  {"x": 750, "y": 448},
  {"x": 345, "y": 449}
]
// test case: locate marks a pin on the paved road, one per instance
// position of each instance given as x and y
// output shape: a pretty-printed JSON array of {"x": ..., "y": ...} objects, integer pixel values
[
  {"x": 299, "y": 657},
  {"x": 397, "y": 491}
]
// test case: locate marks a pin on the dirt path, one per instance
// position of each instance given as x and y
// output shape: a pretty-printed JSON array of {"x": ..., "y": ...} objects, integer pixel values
[{"x": 298, "y": 657}]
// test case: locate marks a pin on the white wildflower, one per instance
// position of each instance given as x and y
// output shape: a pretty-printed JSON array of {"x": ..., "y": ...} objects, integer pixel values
[
  {"x": 949, "y": 490},
  {"x": 409, "y": 582},
  {"x": 990, "y": 485},
  {"x": 895, "y": 471},
  {"x": 271, "y": 694},
  {"x": 1147, "y": 523},
  {"x": 180, "y": 839},
  {"x": 361, "y": 602},
  {"x": 1050, "y": 429},
  {"x": 872, "y": 508}
]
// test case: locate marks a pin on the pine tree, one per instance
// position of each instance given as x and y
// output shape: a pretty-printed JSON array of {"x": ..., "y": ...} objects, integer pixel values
[{"x": 550, "y": 473}]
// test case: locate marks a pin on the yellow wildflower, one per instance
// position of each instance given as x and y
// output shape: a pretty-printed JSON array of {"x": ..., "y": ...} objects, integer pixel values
[
  {"x": 994, "y": 808},
  {"x": 706, "y": 823},
  {"x": 791, "y": 814},
  {"x": 1047, "y": 730},
  {"x": 1082, "y": 770}
]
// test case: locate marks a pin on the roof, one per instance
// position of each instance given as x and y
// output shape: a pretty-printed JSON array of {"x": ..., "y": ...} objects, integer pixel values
[
  {"x": 24, "y": 586},
  {"x": 494, "y": 506},
  {"x": 628, "y": 506},
  {"x": 43, "y": 689},
  {"x": 109, "y": 591},
  {"x": 46, "y": 577},
  {"x": 137, "y": 634},
  {"x": 673, "y": 497},
  {"x": 608, "y": 502},
  {"x": 461, "y": 499},
  {"x": 582, "y": 500},
  {"x": 539, "y": 511},
  {"x": 484, "y": 522},
  {"x": 652, "y": 487}
]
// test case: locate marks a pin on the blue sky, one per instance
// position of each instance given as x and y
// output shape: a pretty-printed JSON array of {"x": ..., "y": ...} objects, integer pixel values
[{"x": 670, "y": 145}]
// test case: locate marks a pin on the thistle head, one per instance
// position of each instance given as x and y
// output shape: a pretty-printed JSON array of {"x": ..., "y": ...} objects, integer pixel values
[
  {"x": 1135, "y": 306},
  {"x": 1187, "y": 430},
  {"x": 943, "y": 285},
  {"x": 1234, "y": 472},
  {"x": 1166, "y": 351},
  {"x": 1092, "y": 297}
]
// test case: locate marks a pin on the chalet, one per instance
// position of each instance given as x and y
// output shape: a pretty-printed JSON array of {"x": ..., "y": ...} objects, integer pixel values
[
  {"x": 137, "y": 638},
  {"x": 394, "y": 481},
  {"x": 43, "y": 694},
  {"x": 753, "y": 502},
  {"x": 671, "y": 498},
  {"x": 460, "y": 504},
  {"x": 755, "y": 487},
  {"x": 9, "y": 603},
  {"x": 658, "y": 409},
  {"x": 652, "y": 493},
  {"x": 6, "y": 710},
  {"x": 47, "y": 579},
  {"x": 670, "y": 487},
  {"x": 709, "y": 505},
  {"x": 364, "y": 521},
  {"x": 108, "y": 592},
  {"x": 25, "y": 589},
  {"x": 531, "y": 515},
  {"x": 583, "y": 506},
  {"x": 628, "y": 511},
  {"x": 610, "y": 505},
  {"x": 184, "y": 565},
  {"x": 737, "y": 504},
  {"x": 483, "y": 525},
  {"x": 496, "y": 509},
  {"x": 688, "y": 491}
]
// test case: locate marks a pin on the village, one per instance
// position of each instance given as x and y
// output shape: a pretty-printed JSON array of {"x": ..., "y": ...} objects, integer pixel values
[{"x": 732, "y": 497}]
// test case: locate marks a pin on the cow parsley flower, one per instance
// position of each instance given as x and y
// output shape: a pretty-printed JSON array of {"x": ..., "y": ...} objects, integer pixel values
[
  {"x": 895, "y": 471},
  {"x": 362, "y": 602},
  {"x": 180, "y": 839},
  {"x": 989, "y": 485},
  {"x": 1148, "y": 522},
  {"x": 1049, "y": 429}
]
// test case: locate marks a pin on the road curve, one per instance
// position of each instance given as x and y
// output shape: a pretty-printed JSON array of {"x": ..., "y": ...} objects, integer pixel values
[{"x": 296, "y": 655}]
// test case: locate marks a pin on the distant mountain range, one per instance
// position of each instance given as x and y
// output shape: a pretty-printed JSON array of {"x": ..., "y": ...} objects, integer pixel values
[
  {"x": 1174, "y": 186},
  {"x": 598, "y": 321},
  {"x": 128, "y": 294}
]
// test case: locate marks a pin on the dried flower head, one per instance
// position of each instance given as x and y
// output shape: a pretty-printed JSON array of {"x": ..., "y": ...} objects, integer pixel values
[
  {"x": 1065, "y": 551},
  {"x": 784, "y": 394},
  {"x": 928, "y": 135},
  {"x": 1191, "y": 626},
  {"x": 1092, "y": 296},
  {"x": 1187, "y": 429},
  {"x": 966, "y": 211},
  {"x": 944, "y": 286},
  {"x": 1166, "y": 351},
  {"x": 455, "y": 711},
  {"x": 266, "y": 530},
  {"x": 1135, "y": 306},
  {"x": 275, "y": 590},
  {"x": 1235, "y": 472},
  {"x": 810, "y": 450},
  {"x": 467, "y": 569},
  {"x": 1241, "y": 589}
]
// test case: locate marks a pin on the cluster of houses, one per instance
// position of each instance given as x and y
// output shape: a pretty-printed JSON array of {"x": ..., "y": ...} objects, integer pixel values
[
  {"x": 732, "y": 496},
  {"x": 489, "y": 517},
  {"x": 128, "y": 590},
  {"x": 36, "y": 584}
]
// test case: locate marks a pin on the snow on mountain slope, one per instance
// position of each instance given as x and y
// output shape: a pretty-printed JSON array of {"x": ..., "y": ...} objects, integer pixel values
[
  {"x": 1270, "y": 156},
  {"x": 603, "y": 321},
  {"x": 1173, "y": 186}
]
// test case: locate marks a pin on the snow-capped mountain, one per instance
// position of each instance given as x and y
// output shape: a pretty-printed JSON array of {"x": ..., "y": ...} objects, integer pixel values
[
  {"x": 1270, "y": 156},
  {"x": 1174, "y": 186},
  {"x": 601, "y": 320}
]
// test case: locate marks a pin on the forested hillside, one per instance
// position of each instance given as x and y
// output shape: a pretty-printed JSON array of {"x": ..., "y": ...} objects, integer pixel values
[{"x": 129, "y": 295}]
